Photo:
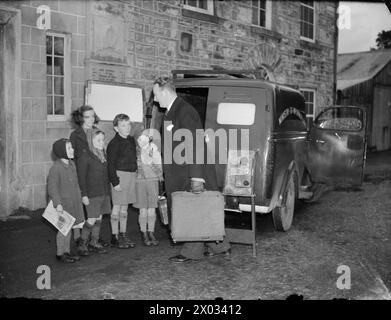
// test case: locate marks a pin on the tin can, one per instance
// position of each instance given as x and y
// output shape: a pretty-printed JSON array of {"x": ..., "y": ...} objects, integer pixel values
[{"x": 163, "y": 211}]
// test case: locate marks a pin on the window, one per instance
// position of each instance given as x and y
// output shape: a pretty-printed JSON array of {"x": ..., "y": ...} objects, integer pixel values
[
  {"x": 57, "y": 76},
  {"x": 307, "y": 20},
  {"x": 261, "y": 13},
  {"x": 203, "y": 6},
  {"x": 310, "y": 109},
  {"x": 341, "y": 118},
  {"x": 236, "y": 113}
]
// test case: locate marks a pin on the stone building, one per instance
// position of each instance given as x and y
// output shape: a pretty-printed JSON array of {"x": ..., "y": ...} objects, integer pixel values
[{"x": 49, "y": 49}]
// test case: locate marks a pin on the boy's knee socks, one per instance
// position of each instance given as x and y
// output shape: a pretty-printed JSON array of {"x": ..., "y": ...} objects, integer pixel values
[
  {"x": 142, "y": 219},
  {"x": 86, "y": 231},
  {"x": 114, "y": 219},
  {"x": 151, "y": 219},
  {"x": 76, "y": 233},
  {"x": 95, "y": 231},
  {"x": 123, "y": 219}
]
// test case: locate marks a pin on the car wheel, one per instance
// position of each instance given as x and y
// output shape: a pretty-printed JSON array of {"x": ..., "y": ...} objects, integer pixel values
[{"x": 283, "y": 216}]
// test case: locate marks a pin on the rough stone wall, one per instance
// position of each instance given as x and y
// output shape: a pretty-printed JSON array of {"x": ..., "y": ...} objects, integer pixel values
[
  {"x": 38, "y": 134},
  {"x": 160, "y": 36},
  {"x": 135, "y": 40}
]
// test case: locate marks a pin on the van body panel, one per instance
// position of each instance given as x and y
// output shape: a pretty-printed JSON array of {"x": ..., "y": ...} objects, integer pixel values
[{"x": 278, "y": 132}]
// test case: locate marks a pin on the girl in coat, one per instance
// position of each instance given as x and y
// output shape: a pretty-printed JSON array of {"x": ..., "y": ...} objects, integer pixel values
[
  {"x": 95, "y": 190},
  {"x": 86, "y": 120},
  {"x": 63, "y": 190}
]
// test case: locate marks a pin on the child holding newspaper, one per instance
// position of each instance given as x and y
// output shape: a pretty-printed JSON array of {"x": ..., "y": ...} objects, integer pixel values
[{"x": 64, "y": 191}]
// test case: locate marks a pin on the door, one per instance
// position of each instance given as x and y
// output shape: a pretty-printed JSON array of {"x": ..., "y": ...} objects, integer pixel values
[
  {"x": 337, "y": 146},
  {"x": 2, "y": 126},
  {"x": 381, "y": 126},
  {"x": 236, "y": 119}
]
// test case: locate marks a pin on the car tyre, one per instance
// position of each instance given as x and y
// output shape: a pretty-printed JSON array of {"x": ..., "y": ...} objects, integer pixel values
[{"x": 283, "y": 216}]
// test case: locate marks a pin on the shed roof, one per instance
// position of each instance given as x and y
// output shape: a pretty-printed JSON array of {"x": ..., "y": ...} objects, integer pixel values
[{"x": 357, "y": 67}]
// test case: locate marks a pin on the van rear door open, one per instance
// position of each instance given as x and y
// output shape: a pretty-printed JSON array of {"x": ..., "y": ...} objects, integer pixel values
[{"x": 337, "y": 146}]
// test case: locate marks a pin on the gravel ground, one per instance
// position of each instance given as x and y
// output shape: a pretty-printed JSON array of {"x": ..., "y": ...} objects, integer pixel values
[{"x": 344, "y": 227}]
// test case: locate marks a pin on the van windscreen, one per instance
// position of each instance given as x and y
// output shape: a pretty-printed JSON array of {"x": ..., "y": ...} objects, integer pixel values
[{"x": 197, "y": 97}]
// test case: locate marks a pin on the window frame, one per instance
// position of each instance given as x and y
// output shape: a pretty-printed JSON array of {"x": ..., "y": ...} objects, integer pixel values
[
  {"x": 313, "y": 91},
  {"x": 67, "y": 77},
  {"x": 268, "y": 15},
  {"x": 209, "y": 10},
  {"x": 314, "y": 22},
  {"x": 251, "y": 108}
]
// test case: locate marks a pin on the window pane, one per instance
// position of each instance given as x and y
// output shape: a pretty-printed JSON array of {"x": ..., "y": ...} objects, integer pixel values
[
  {"x": 49, "y": 65},
  {"x": 192, "y": 3},
  {"x": 203, "y": 4},
  {"x": 262, "y": 4},
  {"x": 59, "y": 66},
  {"x": 49, "y": 44},
  {"x": 49, "y": 105},
  {"x": 58, "y": 105},
  {"x": 262, "y": 18},
  {"x": 49, "y": 85},
  {"x": 255, "y": 16},
  {"x": 311, "y": 16},
  {"x": 58, "y": 85},
  {"x": 236, "y": 113},
  {"x": 58, "y": 46},
  {"x": 310, "y": 108}
]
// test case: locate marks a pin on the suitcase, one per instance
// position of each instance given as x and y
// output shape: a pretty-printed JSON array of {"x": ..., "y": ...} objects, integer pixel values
[{"x": 197, "y": 217}]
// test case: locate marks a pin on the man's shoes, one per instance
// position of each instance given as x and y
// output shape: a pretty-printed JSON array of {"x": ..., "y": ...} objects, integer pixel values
[
  {"x": 226, "y": 254},
  {"x": 179, "y": 258}
]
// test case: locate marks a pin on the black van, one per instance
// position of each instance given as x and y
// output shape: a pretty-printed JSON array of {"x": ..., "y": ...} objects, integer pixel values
[{"x": 291, "y": 158}]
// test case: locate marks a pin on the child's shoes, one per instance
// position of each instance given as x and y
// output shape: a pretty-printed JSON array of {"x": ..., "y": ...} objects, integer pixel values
[
  {"x": 82, "y": 249},
  {"x": 72, "y": 256},
  {"x": 145, "y": 239},
  {"x": 153, "y": 239},
  {"x": 64, "y": 258},
  {"x": 96, "y": 247},
  {"x": 126, "y": 239},
  {"x": 118, "y": 242}
]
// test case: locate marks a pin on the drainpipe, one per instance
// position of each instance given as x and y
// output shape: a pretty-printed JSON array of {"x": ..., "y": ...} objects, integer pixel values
[{"x": 335, "y": 53}]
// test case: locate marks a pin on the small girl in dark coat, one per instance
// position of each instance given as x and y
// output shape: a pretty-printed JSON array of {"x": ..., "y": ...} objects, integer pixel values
[
  {"x": 63, "y": 190},
  {"x": 86, "y": 120},
  {"x": 95, "y": 190}
]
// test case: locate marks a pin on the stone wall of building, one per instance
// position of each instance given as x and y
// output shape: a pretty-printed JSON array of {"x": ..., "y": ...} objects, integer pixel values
[{"x": 134, "y": 41}]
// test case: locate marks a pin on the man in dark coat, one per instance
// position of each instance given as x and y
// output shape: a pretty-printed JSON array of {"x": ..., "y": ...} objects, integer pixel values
[{"x": 186, "y": 175}]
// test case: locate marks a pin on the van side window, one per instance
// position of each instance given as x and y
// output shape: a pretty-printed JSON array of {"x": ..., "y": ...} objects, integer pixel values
[{"x": 236, "y": 113}]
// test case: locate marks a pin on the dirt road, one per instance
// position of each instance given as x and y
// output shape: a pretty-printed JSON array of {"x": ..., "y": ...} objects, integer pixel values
[{"x": 345, "y": 228}]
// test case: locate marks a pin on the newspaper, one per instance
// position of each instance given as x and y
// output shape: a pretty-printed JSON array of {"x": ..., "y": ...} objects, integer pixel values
[{"x": 63, "y": 222}]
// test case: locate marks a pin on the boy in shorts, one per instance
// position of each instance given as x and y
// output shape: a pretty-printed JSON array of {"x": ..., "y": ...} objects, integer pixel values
[{"x": 122, "y": 167}]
